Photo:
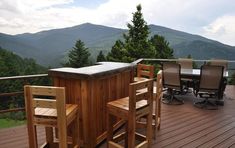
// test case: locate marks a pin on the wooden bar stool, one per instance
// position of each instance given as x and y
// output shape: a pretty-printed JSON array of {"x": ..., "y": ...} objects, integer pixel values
[
  {"x": 46, "y": 106},
  {"x": 129, "y": 109},
  {"x": 157, "y": 96},
  {"x": 144, "y": 71}
]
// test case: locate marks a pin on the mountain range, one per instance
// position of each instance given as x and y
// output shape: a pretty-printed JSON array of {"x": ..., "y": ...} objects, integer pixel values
[{"x": 49, "y": 48}]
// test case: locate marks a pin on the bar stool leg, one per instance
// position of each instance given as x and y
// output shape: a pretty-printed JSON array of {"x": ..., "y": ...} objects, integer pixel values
[
  {"x": 109, "y": 129},
  {"x": 49, "y": 135},
  {"x": 149, "y": 129},
  {"x": 32, "y": 133},
  {"x": 131, "y": 131}
]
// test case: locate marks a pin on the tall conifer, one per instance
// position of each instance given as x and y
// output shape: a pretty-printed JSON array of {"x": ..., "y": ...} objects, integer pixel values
[{"x": 78, "y": 56}]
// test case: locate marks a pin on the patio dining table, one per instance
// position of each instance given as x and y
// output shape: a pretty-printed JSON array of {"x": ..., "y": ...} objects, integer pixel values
[{"x": 195, "y": 73}]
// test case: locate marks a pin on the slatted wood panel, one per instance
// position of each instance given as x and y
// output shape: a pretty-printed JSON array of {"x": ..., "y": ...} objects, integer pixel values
[
  {"x": 181, "y": 126},
  {"x": 92, "y": 96}
]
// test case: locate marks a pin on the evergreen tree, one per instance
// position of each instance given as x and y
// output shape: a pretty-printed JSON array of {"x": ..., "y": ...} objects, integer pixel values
[
  {"x": 100, "y": 57},
  {"x": 136, "y": 44},
  {"x": 136, "y": 41},
  {"x": 161, "y": 47},
  {"x": 118, "y": 53},
  {"x": 78, "y": 56}
]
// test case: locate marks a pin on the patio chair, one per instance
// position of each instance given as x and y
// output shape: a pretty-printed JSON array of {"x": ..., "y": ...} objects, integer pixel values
[
  {"x": 223, "y": 63},
  {"x": 209, "y": 86},
  {"x": 186, "y": 63},
  {"x": 219, "y": 62},
  {"x": 46, "y": 106},
  {"x": 130, "y": 109},
  {"x": 172, "y": 81}
]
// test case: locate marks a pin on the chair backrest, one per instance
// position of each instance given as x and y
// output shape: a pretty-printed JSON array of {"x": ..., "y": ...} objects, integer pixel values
[
  {"x": 159, "y": 95},
  {"x": 146, "y": 71},
  {"x": 185, "y": 63},
  {"x": 171, "y": 75},
  {"x": 135, "y": 95},
  {"x": 159, "y": 87},
  {"x": 219, "y": 62},
  {"x": 45, "y": 97},
  {"x": 211, "y": 78}
]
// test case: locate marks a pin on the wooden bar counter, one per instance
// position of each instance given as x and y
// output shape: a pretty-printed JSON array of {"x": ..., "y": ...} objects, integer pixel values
[{"x": 91, "y": 88}]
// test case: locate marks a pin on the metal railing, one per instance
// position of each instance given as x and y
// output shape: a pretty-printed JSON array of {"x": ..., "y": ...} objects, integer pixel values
[
  {"x": 8, "y": 95},
  {"x": 158, "y": 62},
  {"x": 26, "y": 78}
]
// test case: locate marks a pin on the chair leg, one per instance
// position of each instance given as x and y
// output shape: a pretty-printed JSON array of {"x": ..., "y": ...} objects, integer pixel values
[
  {"x": 109, "y": 128},
  {"x": 49, "y": 135},
  {"x": 32, "y": 135},
  {"x": 131, "y": 131},
  {"x": 149, "y": 129},
  {"x": 172, "y": 100},
  {"x": 75, "y": 136},
  {"x": 206, "y": 104},
  {"x": 62, "y": 131},
  {"x": 126, "y": 135}
]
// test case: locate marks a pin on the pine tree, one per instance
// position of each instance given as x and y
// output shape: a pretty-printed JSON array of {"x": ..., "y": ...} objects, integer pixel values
[
  {"x": 161, "y": 47},
  {"x": 136, "y": 41},
  {"x": 118, "y": 53},
  {"x": 136, "y": 44},
  {"x": 100, "y": 57},
  {"x": 78, "y": 56}
]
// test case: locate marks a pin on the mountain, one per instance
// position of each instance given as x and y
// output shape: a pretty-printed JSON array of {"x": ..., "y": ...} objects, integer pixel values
[
  {"x": 197, "y": 46},
  {"x": 50, "y": 47}
]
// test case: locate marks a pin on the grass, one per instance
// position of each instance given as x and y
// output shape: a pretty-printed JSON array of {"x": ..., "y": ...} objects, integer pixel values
[{"x": 6, "y": 123}]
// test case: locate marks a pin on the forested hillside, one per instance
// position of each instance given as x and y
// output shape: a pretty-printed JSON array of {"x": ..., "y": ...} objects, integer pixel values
[
  {"x": 13, "y": 65},
  {"x": 50, "y": 47}
]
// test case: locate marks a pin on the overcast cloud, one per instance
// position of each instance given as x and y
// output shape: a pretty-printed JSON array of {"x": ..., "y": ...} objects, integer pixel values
[{"x": 213, "y": 19}]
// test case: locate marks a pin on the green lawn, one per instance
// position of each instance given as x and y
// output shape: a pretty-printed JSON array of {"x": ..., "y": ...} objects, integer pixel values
[{"x": 6, "y": 123}]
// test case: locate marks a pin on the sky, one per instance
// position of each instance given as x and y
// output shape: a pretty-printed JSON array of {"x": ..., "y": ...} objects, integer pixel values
[{"x": 214, "y": 19}]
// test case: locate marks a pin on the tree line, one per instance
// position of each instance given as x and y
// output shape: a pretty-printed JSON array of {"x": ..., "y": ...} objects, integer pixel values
[{"x": 13, "y": 65}]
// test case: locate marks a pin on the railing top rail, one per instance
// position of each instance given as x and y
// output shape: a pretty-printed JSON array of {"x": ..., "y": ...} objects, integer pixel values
[
  {"x": 148, "y": 59},
  {"x": 23, "y": 77},
  {"x": 170, "y": 60}
]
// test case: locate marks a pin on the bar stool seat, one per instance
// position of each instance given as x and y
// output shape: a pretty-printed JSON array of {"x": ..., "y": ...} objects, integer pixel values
[{"x": 122, "y": 106}]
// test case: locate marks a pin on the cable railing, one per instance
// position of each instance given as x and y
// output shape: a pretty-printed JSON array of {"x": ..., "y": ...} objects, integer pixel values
[
  {"x": 158, "y": 62},
  {"x": 28, "y": 79},
  {"x": 18, "y": 82}
]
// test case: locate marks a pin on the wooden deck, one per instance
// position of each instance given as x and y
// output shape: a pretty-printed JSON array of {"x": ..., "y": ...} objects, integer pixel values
[{"x": 182, "y": 126}]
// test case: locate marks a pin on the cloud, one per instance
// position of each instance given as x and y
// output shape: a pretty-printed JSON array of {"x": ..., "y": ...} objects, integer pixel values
[
  {"x": 193, "y": 16},
  {"x": 222, "y": 29}
]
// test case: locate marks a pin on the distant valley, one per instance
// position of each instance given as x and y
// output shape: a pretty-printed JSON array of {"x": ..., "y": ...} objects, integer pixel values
[{"x": 50, "y": 47}]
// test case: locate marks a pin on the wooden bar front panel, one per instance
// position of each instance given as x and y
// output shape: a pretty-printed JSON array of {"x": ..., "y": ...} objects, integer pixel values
[{"x": 92, "y": 96}]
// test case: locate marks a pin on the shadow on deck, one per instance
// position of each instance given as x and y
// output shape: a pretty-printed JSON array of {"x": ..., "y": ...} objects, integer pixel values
[{"x": 182, "y": 126}]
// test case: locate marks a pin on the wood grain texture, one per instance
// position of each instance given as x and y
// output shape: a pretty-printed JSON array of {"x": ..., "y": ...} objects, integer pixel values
[{"x": 92, "y": 96}]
